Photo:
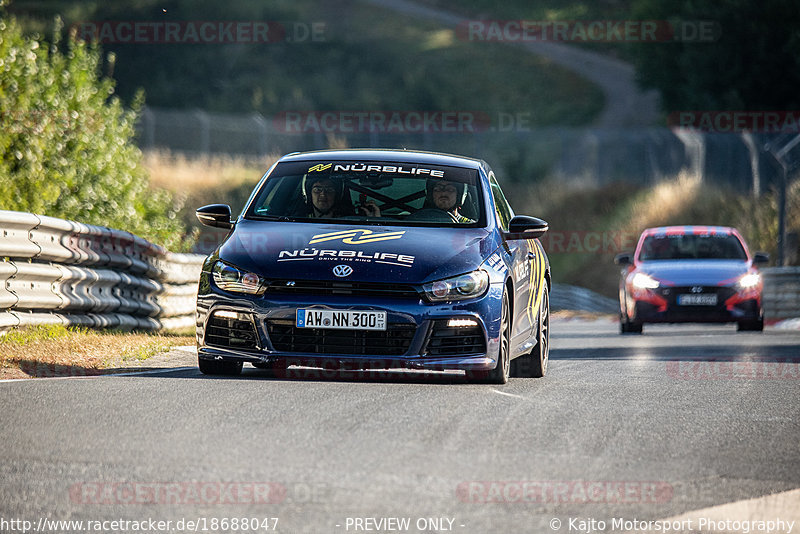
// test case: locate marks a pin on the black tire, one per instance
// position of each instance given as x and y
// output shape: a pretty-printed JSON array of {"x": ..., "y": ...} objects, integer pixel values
[
  {"x": 534, "y": 364},
  {"x": 219, "y": 367},
  {"x": 750, "y": 326},
  {"x": 500, "y": 374},
  {"x": 626, "y": 326},
  {"x": 629, "y": 327}
]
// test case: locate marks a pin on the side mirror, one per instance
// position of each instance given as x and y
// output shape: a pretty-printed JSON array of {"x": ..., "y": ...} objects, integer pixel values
[
  {"x": 623, "y": 259},
  {"x": 215, "y": 215},
  {"x": 524, "y": 227},
  {"x": 760, "y": 258}
]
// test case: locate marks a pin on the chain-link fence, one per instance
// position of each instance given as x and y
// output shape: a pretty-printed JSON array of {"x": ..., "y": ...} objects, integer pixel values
[
  {"x": 743, "y": 162},
  {"x": 595, "y": 156}
]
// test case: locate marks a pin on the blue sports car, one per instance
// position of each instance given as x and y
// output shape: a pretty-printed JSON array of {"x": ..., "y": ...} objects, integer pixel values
[{"x": 376, "y": 259}]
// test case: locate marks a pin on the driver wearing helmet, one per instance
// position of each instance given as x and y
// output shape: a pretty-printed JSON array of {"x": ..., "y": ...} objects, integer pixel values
[
  {"x": 324, "y": 198},
  {"x": 448, "y": 196}
]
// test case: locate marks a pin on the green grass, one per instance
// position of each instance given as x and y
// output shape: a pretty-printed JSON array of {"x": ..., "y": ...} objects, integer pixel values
[
  {"x": 371, "y": 59},
  {"x": 26, "y": 336},
  {"x": 536, "y": 9},
  {"x": 55, "y": 350},
  {"x": 143, "y": 352},
  {"x": 548, "y": 10}
]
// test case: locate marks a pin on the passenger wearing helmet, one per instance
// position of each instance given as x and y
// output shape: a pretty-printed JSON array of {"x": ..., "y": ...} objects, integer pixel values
[{"x": 448, "y": 196}]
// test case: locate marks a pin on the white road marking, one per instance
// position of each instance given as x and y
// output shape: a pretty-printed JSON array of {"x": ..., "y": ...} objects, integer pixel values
[
  {"x": 783, "y": 506},
  {"x": 507, "y": 394},
  {"x": 132, "y": 373}
]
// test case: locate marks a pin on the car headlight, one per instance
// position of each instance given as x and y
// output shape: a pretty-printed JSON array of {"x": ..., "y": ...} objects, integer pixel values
[
  {"x": 749, "y": 281},
  {"x": 465, "y": 286},
  {"x": 643, "y": 281},
  {"x": 229, "y": 278}
]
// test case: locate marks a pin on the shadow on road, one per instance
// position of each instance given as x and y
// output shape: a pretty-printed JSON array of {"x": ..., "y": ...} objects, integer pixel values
[
  {"x": 308, "y": 374},
  {"x": 717, "y": 353}
]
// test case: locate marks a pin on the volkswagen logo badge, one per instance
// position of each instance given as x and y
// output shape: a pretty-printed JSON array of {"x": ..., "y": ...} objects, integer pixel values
[{"x": 342, "y": 270}]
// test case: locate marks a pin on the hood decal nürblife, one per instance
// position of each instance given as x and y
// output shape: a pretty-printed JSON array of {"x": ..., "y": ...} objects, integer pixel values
[{"x": 277, "y": 250}]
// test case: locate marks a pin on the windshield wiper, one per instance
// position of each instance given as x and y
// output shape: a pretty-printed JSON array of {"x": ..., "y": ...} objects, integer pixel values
[{"x": 279, "y": 218}]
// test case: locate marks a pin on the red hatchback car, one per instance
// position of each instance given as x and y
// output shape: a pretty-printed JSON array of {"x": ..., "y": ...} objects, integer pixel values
[{"x": 697, "y": 274}]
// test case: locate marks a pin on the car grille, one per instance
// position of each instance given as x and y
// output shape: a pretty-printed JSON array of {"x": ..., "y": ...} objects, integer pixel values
[
  {"x": 231, "y": 333},
  {"x": 328, "y": 287},
  {"x": 454, "y": 341},
  {"x": 286, "y": 337}
]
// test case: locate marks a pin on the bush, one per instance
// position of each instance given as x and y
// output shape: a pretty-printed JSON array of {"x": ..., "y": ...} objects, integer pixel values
[{"x": 66, "y": 143}]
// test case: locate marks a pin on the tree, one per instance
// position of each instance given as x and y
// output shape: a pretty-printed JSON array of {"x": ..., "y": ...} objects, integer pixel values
[
  {"x": 753, "y": 63},
  {"x": 66, "y": 143}
]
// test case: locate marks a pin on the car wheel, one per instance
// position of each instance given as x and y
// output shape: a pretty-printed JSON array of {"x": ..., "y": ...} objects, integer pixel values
[
  {"x": 534, "y": 364},
  {"x": 750, "y": 326},
  {"x": 630, "y": 327},
  {"x": 219, "y": 367},
  {"x": 626, "y": 326},
  {"x": 500, "y": 374}
]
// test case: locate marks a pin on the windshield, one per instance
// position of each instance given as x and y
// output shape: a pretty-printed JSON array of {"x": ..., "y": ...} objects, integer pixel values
[
  {"x": 376, "y": 192},
  {"x": 692, "y": 246}
]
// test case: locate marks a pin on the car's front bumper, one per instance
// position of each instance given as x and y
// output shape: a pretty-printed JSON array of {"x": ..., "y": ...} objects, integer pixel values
[
  {"x": 661, "y": 306},
  {"x": 263, "y": 332},
  {"x": 349, "y": 362}
]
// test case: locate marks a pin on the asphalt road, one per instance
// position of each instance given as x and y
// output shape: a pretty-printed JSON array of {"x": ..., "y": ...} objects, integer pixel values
[{"x": 637, "y": 427}]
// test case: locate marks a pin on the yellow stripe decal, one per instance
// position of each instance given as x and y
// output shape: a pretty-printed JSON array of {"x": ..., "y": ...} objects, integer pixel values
[
  {"x": 349, "y": 236},
  {"x": 531, "y": 286},
  {"x": 540, "y": 275}
]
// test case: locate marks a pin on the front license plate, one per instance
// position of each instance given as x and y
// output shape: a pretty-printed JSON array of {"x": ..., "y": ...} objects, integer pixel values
[
  {"x": 341, "y": 319},
  {"x": 709, "y": 299}
]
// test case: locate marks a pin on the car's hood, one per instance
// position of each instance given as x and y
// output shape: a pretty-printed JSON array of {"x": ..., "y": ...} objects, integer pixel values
[
  {"x": 695, "y": 272},
  {"x": 411, "y": 255}
]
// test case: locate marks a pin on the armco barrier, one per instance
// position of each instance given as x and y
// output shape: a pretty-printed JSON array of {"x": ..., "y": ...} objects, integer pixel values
[
  {"x": 567, "y": 297},
  {"x": 54, "y": 271},
  {"x": 781, "y": 292}
]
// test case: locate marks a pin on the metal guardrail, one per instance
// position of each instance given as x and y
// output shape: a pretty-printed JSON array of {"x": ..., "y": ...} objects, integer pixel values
[
  {"x": 567, "y": 297},
  {"x": 54, "y": 271},
  {"x": 781, "y": 292}
]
